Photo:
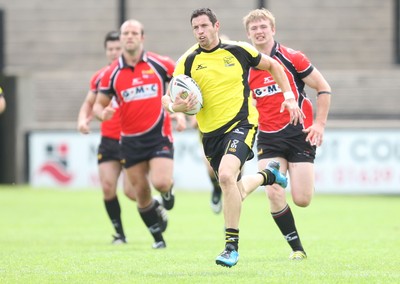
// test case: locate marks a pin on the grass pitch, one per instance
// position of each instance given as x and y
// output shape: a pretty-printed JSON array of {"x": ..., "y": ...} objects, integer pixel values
[{"x": 60, "y": 236}]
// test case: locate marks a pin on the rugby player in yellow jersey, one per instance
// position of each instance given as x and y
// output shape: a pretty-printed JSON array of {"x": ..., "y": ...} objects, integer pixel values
[{"x": 228, "y": 119}]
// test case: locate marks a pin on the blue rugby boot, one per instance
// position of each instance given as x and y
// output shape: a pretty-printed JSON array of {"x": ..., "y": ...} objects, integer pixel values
[{"x": 228, "y": 258}]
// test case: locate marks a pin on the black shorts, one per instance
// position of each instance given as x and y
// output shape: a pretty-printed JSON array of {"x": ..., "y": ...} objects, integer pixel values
[
  {"x": 238, "y": 142},
  {"x": 136, "y": 150},
  {"x": 109, "y": 150},
  {"x": 293, "y": 148}
]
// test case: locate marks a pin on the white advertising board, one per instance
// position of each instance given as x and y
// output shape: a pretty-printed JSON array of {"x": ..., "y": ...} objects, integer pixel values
[
  {"x": 364, "y": 161},
  {"x": 350, "y": 161},
  {"x": 63, "y": 159}
]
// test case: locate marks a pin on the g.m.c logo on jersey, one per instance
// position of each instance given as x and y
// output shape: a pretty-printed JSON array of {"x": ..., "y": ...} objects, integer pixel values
[
  {"x": 267, "y": 91},
  {"x": 140, "y": 92}
]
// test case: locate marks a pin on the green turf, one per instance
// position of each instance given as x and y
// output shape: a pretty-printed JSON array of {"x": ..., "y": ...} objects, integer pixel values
[{"x": 61, "y": 236}]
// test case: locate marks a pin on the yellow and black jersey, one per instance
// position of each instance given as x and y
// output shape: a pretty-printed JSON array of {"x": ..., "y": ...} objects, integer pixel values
[{"x": 222, "y": 74}]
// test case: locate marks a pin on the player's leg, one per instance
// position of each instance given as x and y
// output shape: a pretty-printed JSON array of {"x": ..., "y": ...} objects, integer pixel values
[
  {"x": 130, "y": 193},
  {"x": 285, "y": 150},
  {"x": 234, "y": 151},
  {"x": 129, "y": 190},
  {"x": 302, "y": 182},
  {"x": 302, "y": 189},
  {"x": 109, "y": 172},
  {"x": 228, "y": 173},
  {"x": 147, "y": 206},
  {"x": 161, "y": 177},
  {"x": 216, "y": 193},
  {"x": 281, "y": 211},
  {"x": 109, "y": 167},
  {"x": 301, "y": 170}
]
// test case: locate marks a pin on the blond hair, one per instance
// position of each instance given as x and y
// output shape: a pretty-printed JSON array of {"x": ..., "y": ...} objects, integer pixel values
[{"x": 258, "y": 14}]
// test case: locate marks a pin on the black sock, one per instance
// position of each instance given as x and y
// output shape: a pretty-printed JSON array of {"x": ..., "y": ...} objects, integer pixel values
[
  {"x": 269, "y": 177},
  {"x": 114, "y": 212},
  {"x": 151, "y": 218},
  {"x": 215, "y": 184},
  {"x": 232, "y": 238},
  {"x": 285, "y": 221}
]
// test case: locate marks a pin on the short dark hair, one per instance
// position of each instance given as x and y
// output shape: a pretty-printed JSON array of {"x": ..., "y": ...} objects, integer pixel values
[
  {"x": 111, "y": 36},
  {"x": 204, "y": 11}
]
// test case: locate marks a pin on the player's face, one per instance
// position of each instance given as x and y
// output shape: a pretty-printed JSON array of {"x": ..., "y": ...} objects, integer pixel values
[
  {"x": 260, "y": 32},
  {"x": 131, "y": 37},
  {"x": 113, "y": 50},
  {"x": 205, "y": 33}
]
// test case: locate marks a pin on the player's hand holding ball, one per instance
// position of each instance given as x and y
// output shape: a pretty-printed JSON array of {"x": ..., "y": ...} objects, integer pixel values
[
  {"x": 185, "y": 102},
  {"x": 185, "y": 95}
]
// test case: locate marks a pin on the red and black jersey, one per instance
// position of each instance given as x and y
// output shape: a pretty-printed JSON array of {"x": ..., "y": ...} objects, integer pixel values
[
  {"x": 269, "y": 96},
  {"x": 139, "y": 90},
  {"x": 110, "y": 128}
]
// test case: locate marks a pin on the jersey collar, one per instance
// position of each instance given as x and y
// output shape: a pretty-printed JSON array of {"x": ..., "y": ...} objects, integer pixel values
[
  {"x": 274, "y": 49},
  {"x": 123, "y": 64},
  {"x": 211, "y": 50}
]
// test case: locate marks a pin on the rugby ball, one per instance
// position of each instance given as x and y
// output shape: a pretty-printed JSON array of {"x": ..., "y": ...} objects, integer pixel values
[{"x": 185, "y": 83}]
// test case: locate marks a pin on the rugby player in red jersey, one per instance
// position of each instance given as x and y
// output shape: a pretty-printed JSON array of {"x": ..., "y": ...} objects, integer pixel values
[
  {"x": 137, "y": 79},
  {"x": 109, "y": 151},
  {"x": 294, "y": 146}
]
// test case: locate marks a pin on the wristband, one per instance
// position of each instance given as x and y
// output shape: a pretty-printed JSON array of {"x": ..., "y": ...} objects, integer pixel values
[
  {"x": 171, "y": 110},
  {"x": 323, "y": 92},
  {"x": 1, "y": 92},
  {"x": 288, "y": 95}
]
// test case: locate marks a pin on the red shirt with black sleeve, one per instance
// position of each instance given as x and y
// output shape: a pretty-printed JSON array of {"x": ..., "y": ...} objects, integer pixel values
[
  {"x": 139, "y": 90},
  {"x": 269, "y": 96}
]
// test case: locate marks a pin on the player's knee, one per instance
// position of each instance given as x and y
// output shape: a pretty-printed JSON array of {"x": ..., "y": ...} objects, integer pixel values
[
  {"x": 162, "y": 185},
  {"x": 226, "y": 179},
  {"x": 109, "y": 189},
  {"x": 302, "y": 201},
  {"x": 129, "y": 192},
  {"x": 275, "y": 193}
]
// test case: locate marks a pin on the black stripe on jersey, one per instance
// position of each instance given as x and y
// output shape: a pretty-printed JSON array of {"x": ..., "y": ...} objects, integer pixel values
[
  {"x": 189, "y": 62},
  {"x": 289, "y": 66},
  {"x": 110, "y": 92},
  {"x": 299, "y": 83},
  {"x": 161, "y": 71}
]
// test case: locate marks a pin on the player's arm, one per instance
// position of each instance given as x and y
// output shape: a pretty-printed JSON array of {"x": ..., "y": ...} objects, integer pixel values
[
  {"x": 86, "y": 113},
  {"x": 2, "y": 101},
  {"x": 316, "y": 81},
  {"x": 102, "y": 108},
  {"x": 277, "y": 72}
]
